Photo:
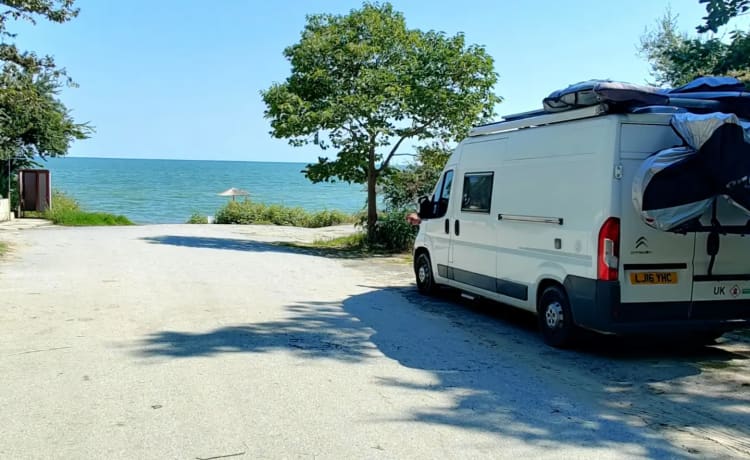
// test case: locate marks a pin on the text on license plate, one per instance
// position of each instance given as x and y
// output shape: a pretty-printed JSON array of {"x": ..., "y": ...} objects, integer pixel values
[{"x": 653, "y": 278}]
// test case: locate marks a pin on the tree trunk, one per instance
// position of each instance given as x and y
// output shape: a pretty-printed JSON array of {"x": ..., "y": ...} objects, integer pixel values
[{"x": 372, "y": 208}]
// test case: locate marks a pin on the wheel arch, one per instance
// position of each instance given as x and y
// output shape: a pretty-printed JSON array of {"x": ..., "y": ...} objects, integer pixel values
[{"x": 419, "y": 251}]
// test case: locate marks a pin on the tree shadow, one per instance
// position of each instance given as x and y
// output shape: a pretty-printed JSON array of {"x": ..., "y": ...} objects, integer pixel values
[
  {"x": 316, "y": 330},
  {"x": 489, "y": 361},
  {"x": 647, "y": 379},
  {"x": 227, "y": 244},
  {"x": 236, "y": 244}
]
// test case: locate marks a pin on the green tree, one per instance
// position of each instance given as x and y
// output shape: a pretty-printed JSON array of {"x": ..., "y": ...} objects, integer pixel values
[
  {"x": 401, "y": 187},
  {"x": 363, "y": 83},
  {"x": 34, "y": 123},
  {"x": 720, "y": 12},
  {"x": 677, "y": 58}
]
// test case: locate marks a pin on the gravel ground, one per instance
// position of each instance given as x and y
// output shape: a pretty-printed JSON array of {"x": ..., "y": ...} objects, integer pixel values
[{"x": 195, "y": 342}]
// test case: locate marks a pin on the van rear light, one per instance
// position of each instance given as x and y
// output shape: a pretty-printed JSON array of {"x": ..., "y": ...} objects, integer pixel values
[{"x": 608, "y": 256}]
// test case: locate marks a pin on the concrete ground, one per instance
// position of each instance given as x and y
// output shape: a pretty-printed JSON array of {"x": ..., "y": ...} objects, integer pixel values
[{"x": 208, "y": 341}]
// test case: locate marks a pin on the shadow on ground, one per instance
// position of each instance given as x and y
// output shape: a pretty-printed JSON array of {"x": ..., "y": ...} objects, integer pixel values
[
  {"x": 489, "y": 360},
  {"x": 236, "y": 244}
]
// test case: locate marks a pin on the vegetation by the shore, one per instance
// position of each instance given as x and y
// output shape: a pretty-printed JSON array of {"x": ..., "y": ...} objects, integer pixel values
[
  {"x": 66, "y": 211},
  {"x": 393, "y": 235},
  {"x": 248, "y": 212},
  {"x": 197, "y": 218}
]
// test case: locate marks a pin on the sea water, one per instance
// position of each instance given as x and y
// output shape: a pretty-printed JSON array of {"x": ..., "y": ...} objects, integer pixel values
[{"x": 169, "y": 191}]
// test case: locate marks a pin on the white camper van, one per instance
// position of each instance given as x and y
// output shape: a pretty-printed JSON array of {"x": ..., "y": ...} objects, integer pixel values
[{"x": 537, "y": 212}]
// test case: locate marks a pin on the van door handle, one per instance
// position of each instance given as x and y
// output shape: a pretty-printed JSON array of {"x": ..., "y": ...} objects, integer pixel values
[
  {"x": 447, "y": 226},
  {"x": 457, "y": 228}
]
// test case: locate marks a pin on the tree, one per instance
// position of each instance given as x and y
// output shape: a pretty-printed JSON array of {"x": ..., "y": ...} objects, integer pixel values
[
  {"x": 33, "y": 121},
  {"x": 363, "y": 83},
  {"x": 403, "y": 186},
  {"x": 677, "y": 58},
  {"x": 720, "y": 12}
]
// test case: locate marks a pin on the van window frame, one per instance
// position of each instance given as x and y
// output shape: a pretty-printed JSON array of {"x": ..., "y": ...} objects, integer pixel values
[
  {"x": 467, "y": 176},
  {"x": 440, "y": 203}
]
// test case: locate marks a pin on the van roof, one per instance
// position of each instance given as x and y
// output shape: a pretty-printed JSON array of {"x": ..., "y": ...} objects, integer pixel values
[{"x": 696, "y": 102}]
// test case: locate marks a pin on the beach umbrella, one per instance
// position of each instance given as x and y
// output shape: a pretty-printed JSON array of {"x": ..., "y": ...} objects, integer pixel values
[{"x": 233, "y": 192}]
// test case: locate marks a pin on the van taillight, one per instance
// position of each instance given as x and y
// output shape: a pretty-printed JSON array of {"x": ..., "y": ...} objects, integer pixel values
[{"x": 609, "y": 250}]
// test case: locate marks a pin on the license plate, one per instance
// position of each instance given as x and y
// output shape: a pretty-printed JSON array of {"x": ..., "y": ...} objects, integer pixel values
[{"x": 653, "y": 278}]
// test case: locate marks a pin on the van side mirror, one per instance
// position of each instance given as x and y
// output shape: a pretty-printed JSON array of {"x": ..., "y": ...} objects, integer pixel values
[{"x": 425, "y": 207}]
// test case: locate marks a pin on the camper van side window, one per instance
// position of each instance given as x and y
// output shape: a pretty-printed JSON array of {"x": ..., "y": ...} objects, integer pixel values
[
  {"x": 444, "y": 195},
  {"x": 477, "y": 192}
]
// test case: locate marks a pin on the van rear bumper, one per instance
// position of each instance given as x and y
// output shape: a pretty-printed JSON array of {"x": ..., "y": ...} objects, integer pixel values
[{"x": 596, "y": 305}]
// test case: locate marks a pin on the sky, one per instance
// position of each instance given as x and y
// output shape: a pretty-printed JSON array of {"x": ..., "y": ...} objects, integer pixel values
[{"x": 181, "y": 79}]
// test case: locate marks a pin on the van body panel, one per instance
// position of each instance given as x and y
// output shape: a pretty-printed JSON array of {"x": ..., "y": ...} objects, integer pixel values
[
  {"x": 730, "y": 278},
  {"x": 655, "y": 266},
  {"x": 433, "y": 234}
]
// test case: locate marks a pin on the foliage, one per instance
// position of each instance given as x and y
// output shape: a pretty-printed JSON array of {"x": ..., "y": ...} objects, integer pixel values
[
  {"x": 355, "y": 241},
  {"x": 30, "y": 10},
  {"x": 33, "y": 121},
  {"x": 363, "y": 83},
  {"x": 393, "y": 232},
  {"x": 197, "y": 218},
  {"x": 677, "y": 58},
  {"x": 720, "y": 12},
  {"x": 402, "y": 187},
  {"x": 248, "y": 212},
  {"x": 66, "y": 211},
  {"x": 393, "y": 235}
]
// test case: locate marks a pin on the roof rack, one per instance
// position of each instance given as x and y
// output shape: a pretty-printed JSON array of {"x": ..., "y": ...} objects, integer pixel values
[{"x": 537, "y": 118}]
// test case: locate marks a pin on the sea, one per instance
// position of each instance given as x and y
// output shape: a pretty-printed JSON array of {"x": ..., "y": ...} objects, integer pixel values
[{"x": 170, "y": 191}]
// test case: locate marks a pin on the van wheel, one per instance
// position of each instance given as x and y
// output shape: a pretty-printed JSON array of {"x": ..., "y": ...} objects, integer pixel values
[
  {"x": 423, "y": 271},
  {"x": 556, "y": 318}
]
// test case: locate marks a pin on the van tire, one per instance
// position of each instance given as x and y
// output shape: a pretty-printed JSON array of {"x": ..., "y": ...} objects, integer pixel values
[
  {"x": 556, "y": 318},
  {"x": 423, "y": 272}
]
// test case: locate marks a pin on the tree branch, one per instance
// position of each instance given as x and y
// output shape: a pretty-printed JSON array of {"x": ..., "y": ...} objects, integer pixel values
[{"x": 406, "y": 135}]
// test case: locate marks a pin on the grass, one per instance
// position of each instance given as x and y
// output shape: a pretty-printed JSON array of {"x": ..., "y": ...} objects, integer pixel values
[
  {"x": 66, "y": 211},
  {"x": 352, "y": 246},
  {"x": 354, "y": 242},
  {"x": 3, "y": 248}
]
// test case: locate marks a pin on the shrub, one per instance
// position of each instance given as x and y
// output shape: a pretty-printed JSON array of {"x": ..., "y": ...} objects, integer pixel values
[
  {"x": 328, "y": 218},
  {"x": 248, "y": 212},
  {"x": 393, "y": 232},
  {"x": 197, "y": 218}
]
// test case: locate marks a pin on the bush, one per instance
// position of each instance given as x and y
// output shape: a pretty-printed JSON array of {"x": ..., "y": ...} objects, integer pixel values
[
  {"x": 393, "y": 232},
  {"x": 248, "y": 212},
  {"x": 66, "y": 211},
  {"x": 328, "y": 218},
  {"x": 197, "y": 218}
]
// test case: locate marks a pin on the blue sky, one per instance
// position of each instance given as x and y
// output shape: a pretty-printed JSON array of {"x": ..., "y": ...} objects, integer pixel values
[{"x": 181, "y": 78}]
